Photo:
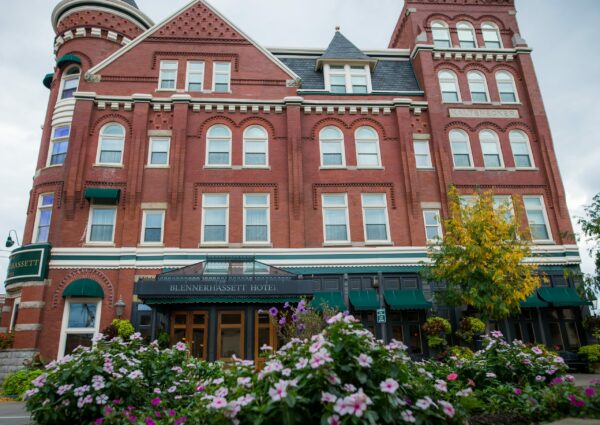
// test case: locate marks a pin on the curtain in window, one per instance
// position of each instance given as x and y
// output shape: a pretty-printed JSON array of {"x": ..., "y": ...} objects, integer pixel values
[
  {"x": 256, "y": 225},
  {"x": 215, "y": 225},
  {"x": 335, "y": 225},
  {"x": 102, "y": 225}
]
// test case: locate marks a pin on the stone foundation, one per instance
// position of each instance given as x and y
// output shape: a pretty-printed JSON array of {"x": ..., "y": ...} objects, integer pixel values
[{"x": 12, "y": 360}]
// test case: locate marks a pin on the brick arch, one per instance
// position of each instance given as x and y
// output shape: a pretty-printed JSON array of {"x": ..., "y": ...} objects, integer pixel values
[
  {"x": 209, "y": 122},
  {"x": 105, "y": 119},
  {"x": 475, "y": 67},
  {"x": 263, "y": 122},
  {"x": 518, "y": 125},
  {"x": 463, "y": 17},
  {"x": 336, "y": 122},
  {"x": 96, "y": 275},
  {"x": 491, "y": 18},
  {"x": 460, "y": 125},
  {"x": 370, "y": 122},
  {"x": 508, "y": 68},
  {"x": 437, "y": 17},
  {"x": 447, "y": 65},
  {"x": 488, "y": 124}
]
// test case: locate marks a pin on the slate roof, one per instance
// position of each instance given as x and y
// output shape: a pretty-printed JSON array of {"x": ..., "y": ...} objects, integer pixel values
[
  {"x": 342, "y": 48},
  {"x": 131, "y": 3},
  {"x": 396, "y": 75}
]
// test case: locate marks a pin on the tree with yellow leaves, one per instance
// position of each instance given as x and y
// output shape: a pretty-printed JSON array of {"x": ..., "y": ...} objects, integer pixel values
[{"x": 480, "y": 258}]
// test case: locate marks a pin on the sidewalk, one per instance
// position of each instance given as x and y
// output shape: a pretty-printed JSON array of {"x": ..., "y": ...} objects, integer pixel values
[
  {"x": 14, "y": 413},
  {"x": 583, "y": 379}
]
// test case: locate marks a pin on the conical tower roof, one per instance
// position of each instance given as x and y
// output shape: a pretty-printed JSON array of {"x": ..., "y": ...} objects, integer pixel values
[
  {"x": 131, "y": 3},
  {"x": 343, "y": 50}
]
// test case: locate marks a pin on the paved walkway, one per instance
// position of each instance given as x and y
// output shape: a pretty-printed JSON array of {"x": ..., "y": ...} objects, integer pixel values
[
  {"x": 14, "y": 414},
  {"x": 583, "y": 379}
]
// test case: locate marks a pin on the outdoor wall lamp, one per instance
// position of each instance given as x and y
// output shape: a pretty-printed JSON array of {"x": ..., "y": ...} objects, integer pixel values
[
  {"x": 120, "y": 307},
  {"x": 9, "y": 241}
]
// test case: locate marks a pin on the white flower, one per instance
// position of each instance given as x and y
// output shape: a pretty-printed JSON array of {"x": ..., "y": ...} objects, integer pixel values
[
  {"x": 172, "y": 389},
  {"x": 441, "y": 385},
  {"x": 40, "y": 380},
  {"x": 79, "y": 391},
  {"x": 389, "y": 386},
  {"x": 64, "y": 388},
  {"x": 349, "y": 387},
  {"x": 286, "y": 372},
  {"x": 244, "y": 382},
  {"x": 465, "y": 393},
  {"x": 279, "y": 391},
  {"x": 333, "y": 420},
  {"x": 136, "y": 374},
  {"x": 222, "y": 392},
  {"x": 364, "y": 360},
  {"x": 301, "y": 363},
  {"x": 424, "y": 403},
  {"x": 327, "y": 397},
  {"x": 490, "y": 375},
  {"x": 355, "y": 404},
  {"x": 447, "y": 408},
  {"x": 97, "y": 337},
  {"x": 407, "y": 416},
  {"x": 102, "y": 399},
  {"x": 180, "y": 346},
  {"x": 218, "y": 403}
]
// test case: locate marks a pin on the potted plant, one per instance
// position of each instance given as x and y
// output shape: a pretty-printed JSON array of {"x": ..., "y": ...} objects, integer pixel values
[
  {"x": 469, "y": 327},
  {"x": 6, "y": 340},
  {"x": 591, "y": 353},
  {"x": 436, "y": 329},
  {"x": 592, "y": 325}
]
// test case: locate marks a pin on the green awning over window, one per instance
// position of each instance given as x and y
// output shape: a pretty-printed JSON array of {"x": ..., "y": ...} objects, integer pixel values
[
  {"x": 562, "y": 297},
  {"x": 406, "y": 300},
  {"x": 47, "y": 81},
  {"x": 533, "y": 301},
  {"x": 223, "y": 300},
  {"x": 364, "y": 300},
  {"x": 102, "y": 194},
  {"x": 84, "y": 288},
  {"x": 331, "y": 299},
  {"x": 68, "y": 59}
]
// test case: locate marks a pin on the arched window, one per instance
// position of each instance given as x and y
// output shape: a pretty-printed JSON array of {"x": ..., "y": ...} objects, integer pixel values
[
  {"x": 441, "y": 34},
  {"x": 466, "y": 35},
  {"x": 491, "y": 36},
  {"x": 461, "y": 149},
  {"x": 449, "y": 86},
  {"x": 478, "y": 87},
  {"x": 331, "y": 141},
  {"x": 506, "y": 87},
  {"x": 521, "y": 149},
  {"x": 70, "y": 82},
  {"x": 490, "y": 148},
  {"x": 112, "y": 143},
  {"x": 218, "y": 146},
  {"x": 367, "y": 148},
  {"x": 256, "y": 147}
]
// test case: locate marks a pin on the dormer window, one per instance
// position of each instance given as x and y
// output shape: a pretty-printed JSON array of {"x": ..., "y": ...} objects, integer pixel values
[{"x": 354, "y": 79}]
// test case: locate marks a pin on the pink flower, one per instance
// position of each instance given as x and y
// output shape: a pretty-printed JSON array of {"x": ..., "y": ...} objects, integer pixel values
[
  {"x": 590, "y": 392},
  {"x": 180, "y": 346},
  {"x": 364, "y": 360},
  {"x": 355, "y": 404},
  {"x": 447, "y": 408},
  {"x": 333, "y": 420},
  {"x": 452, "y": 377},
  {"x": 279, "y": 391},
  {"x": 389, "y": 386},
  {"x": 218, "y": 403},
  {"x": 537, "y": 350},
  {"x": 150, "y": 421},
  {"x": 441, "y": 385},
  {"x": 575, "y": 402},
  {"x": 518, "y": 391},
  {"x": 407, "y": 416},
  {"x": 155, "y": 401},
  {"x": 328, "y": 397}
]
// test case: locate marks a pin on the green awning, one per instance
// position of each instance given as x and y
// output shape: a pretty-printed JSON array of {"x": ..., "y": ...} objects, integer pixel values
[
  {"x": 364, "y": 300},
  {"x": 331, "y": 299},
  {"x": 562, "y": 297},
  {"x": 84, "y": 288},
  {"x": 222, "y": 300},
  {"x": 406, "y": 300},
  {"x": 533, "y": 301},
  {"x": 68, "y": 59},
  {"x": 47, "y": 81},
  {"x": 102, "y": 194},
  {"x": 353, "y": 269}
]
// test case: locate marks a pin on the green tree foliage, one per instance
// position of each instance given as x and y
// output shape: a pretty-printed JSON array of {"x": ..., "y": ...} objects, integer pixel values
[
  {"x": 590, "y": 224},
  {"x": 480, "y": 258}
]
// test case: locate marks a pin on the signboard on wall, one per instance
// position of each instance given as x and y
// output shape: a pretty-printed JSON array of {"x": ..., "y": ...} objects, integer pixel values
[{"x": 28, "y": 263}]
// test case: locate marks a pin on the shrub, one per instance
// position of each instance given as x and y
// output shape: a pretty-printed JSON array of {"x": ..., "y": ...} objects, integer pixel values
[
  {"x": 18, "y": 383},
  {"x": 592, "y": 324},
  {"x": 301, "y": 321},
  {"x": 6, "y": 340},
  {"x": 469, "y": 327},
  {"x": 119, "y": 328},
  {"x": 590, "y": 352},
  {"x": 436, "y": 329}
]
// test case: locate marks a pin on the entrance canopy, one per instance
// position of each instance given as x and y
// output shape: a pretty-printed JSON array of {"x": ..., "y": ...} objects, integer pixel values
[{"x": 224, "y": 280}]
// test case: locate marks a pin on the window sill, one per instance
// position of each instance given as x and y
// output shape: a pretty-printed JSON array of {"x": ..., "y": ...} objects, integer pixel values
[
  {"x": 494, "y": 169},
  {"x": 47, "y": 167},
  {"x": 214, "y": 245},
  {"x": 348, "y": 243},
  {"x": 380, "y": 167},
  {"x": 151, "y": 245},
  {"x": 99, "y": 244},
  {"x": 526, "y": 169},
  {"x": 257, "y": 245},
  {"x": 167, "y": 90},
  {"x": 379, "y": 243},
  {"x": 544, "y": 242},
  {"x": 465, "y": 169},
  {"x": 218, "y": 167},
  {"x": 220, "y": 92},
  {"x": 340, "y": 167},
  {"x": 108, "y": 165},
  {"x": 426, "y": 168},
  {"x": 260, "y": 167},
  {"x": 156, "y": 166}
]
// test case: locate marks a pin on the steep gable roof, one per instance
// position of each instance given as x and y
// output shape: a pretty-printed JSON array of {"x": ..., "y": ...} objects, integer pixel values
[
  {"x": 183, "y": 23},
  {"x": 131, "y": 3}
]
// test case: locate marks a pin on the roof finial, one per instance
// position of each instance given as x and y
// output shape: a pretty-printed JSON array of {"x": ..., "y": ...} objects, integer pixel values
[{"x": 337, "y": 28}]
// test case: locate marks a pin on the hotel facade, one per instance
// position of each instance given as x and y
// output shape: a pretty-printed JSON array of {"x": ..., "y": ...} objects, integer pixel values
[{"x": 189, "y": 178}]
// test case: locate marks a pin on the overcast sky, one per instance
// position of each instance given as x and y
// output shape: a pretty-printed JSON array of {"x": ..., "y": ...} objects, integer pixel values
[{"x": 564, "y": 37}]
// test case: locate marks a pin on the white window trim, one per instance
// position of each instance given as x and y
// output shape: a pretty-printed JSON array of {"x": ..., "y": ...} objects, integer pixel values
[
  {"x": 514, "y": 85},
  {"x": 64, "y": 329},
  {"x": 53, "y": 140},
  {"x": 204, "y": 207},
  {"x": 498, "y": 146},
  {"x": 66, "y": 77},
  {"x": 89, "y": 225},
  {"x": 11, "y": 324},
  {"x": 323, "y": 207},
  {"x": 99, "y": 149},
  {"x": 427, "y": 144},
  {"x": 456, "y": 85},
  {"x": 485, "y": 86},
  {"x": 497, "y": 34},
  {"x": 215, "y": 72},
  {"x": 505, "y": 200},
  {"x": 229, "y": 140},
  {"x": 343, "y": 150},
  {"x": 449, "y": 39},
  {"x": 471, "y": 28},
  {"x": 468, "y": 142},
  {"x": 347, "y": 72},
  {"x": 528, "y": 144},
  {"x": 38, "y": 214},
  {"x": 439, "y": 225},
  {"x": 249, "y": 207},
  {"x": 162, "y": 227},
  {"x": 150, "y": 151},
  {"x": 189, "y": 72},
  {"x": 376, "y": 140},
  {"x": 160, "y": 75},
  {"x": 364, "y": 217},
  {"x": 545, "y": 215},
  {"x": 266, "y": 140}
]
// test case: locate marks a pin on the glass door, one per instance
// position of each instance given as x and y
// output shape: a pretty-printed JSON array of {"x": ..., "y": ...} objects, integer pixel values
[
  {"x": 230, "y": 335},
  {"x": 191, "y": 328},
  {"x": 265, "y": 333}
]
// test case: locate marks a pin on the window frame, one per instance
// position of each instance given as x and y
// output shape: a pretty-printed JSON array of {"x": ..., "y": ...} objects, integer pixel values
[
  {"x": 207, "y": 164},
  {"x": 145, "y": 213},
  {"x": 527, "y": 144},
  {"x": 445, "y": 26},
  {"x": 446, "y": 80},
  {"x": 101, "y": 138},
  {"x": 215, "y": 73},
  {"x": 247, "y": 207},
  {"x": 14, "y": 314},
  {"x": 88, "y": 235},
  {"x": 54, "y": 140},
  {"x": 364, "y": 140},
  {"x": 162, "y": 68},
  {"x": 470, "y": 151},
  {"x": 544, "y": 214},
  {"x": 65, "y": 76},
  {"x": 189, "y": 73},
  {"x": 221, "y": 326},
  {"x": 65, "y": 330},
  {"x": 347, "y": 72},
  {"x": 38, "y": 215},
  {"x": 345, "y": 207},
  {"x": 439, "y": 224},
  {"x": 510, "y": 79},
  {"x": 245, "y": 138},
  {"x": 498, "y": 147},
  {"x": 203, "y": 223},
  {"x": 468, "y": 27},
  {"x": 485, "y": 86},
  {"x": 342, "y": 143},
  {"x": 364, "y": 217},
  {"x": 417, "y": 155},
  {"x": 151, "y": 151},
  {"x": 494, "y": 28}
]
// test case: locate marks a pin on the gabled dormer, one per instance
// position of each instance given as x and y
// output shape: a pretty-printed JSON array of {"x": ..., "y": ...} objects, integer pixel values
[{"x": 345, "y": 67}]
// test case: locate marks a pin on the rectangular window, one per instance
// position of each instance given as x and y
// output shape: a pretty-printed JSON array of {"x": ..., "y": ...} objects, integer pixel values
[
  {"x": 70, "y": 86},
  {"x": 219, "y": 151},
  {"x": 215, "y": 213},
  {"x": 230, "y": 335},
  {"x": 521, "y": 154},
  {"x": 537, "y": 218},
  {"x": 265, "y": 333},
  {"x": 102, "y": 224},
  {"x": 491, "y": 155},
  {"x": 478, "y": 92},
  {"x": 507, "y": 92},
  {"x": 168, "y": 75},
  {"x": 335, "y": 217},
  {"x": 337, "y": 79},
  {"x": 195, "y": 76},
  {"x": 256, "y": 217},
  {"x": 461, "y": 155},
  {"x": 15, "y": 314},
  {"x": 80, "y": 322},
  {"x": 43, "y": 218},
  {"x": 159, "y": 151},
  {"x": 59, "y": 145},
  {"x": 221, "y": 77},
  {"x": 367, "y": 153},
  {"x": 449, "y": 92},
  {"x": 433, "y": 225},
  {"x": 153, "y": 224},
  {"x": 348, "y": 79},
  {"x": 504, "y": 202},
  {"x": 358, "y": 79},
  {"x": 422, "y": 154},
  {"x": 375, "y": 217},
  {"x": 332, "y": 153}
]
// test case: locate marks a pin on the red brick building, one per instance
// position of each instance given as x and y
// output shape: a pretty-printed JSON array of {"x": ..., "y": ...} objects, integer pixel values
[{"x": 274, "y": 174}]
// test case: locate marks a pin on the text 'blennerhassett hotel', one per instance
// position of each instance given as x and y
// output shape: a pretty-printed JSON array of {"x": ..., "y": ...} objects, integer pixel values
[{"x": 201, "y": 178}]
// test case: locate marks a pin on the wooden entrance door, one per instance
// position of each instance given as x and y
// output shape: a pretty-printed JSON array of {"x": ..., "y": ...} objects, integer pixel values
[{"x": 191, "y": 327}]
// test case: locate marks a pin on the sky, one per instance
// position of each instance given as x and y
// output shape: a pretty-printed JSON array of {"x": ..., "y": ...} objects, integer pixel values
[{"x": 564, "y": 37}]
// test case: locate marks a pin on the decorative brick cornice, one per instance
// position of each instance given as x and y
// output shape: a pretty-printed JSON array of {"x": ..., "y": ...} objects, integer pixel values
[
  {"x": 105, "y": 119},
  {"x": 343, "y": 187},
  {"x": 41, "y": 188},
  {"x": 217, "y": 186},
  {"x": 444, "y": 3}
]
